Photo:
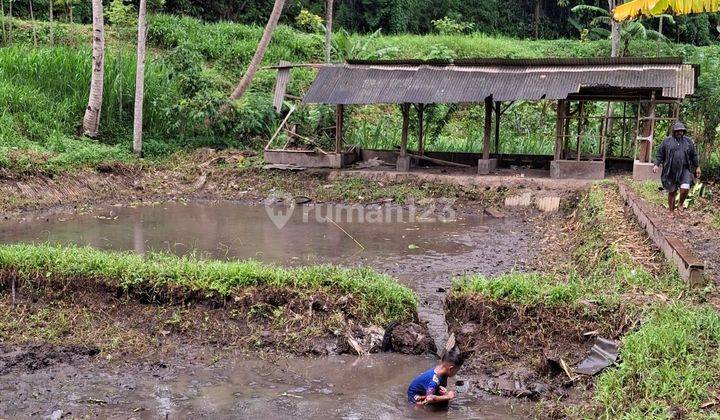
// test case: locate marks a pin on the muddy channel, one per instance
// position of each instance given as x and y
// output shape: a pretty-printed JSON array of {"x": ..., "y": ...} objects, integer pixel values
[{"x": 423, "y": 250}]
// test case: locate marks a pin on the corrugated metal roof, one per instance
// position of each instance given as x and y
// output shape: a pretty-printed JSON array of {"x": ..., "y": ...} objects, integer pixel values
[
  {"x": 511, "y": 62},
  {"x": 403, "y": 82}
]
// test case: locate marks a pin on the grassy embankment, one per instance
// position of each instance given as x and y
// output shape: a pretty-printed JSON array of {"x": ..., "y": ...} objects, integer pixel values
[
  {"x": 263, "y": 297},
  {"x": 667, "y": 362},
  {"x": 191, "y": 68}
]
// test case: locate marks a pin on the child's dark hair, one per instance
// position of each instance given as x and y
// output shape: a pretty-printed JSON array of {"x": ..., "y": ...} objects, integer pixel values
[{"x": 454, "y": 357}]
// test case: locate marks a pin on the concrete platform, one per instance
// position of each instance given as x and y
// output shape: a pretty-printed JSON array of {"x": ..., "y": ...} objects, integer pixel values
[
  {"x": 310, "y": 159},
  {"x": 485, "y": 166},
  {"x": 573, "y": 169},
  {"x": 642, "y": 171}
]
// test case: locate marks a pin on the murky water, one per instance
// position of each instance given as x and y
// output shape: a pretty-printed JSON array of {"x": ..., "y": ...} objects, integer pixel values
[{"x": 423, "y": 251}]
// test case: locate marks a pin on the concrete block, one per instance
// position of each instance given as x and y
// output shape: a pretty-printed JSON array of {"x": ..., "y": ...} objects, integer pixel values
[
  {"x": 643, "y": 172},
  {"x": 485, "y": 166},
  {"x": 403, "y": 163},
  {"x": 310, "y": 159},
  {"x": 573, "y": 169}
]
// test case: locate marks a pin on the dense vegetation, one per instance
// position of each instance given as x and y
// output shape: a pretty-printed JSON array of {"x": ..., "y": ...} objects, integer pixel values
[
  {"x": 547, "y": 19},
  {"x": 194, "y": 65}
]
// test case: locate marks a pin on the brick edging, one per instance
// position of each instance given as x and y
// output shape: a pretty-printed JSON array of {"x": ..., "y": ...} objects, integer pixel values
[{"x": 690, "y": 267}]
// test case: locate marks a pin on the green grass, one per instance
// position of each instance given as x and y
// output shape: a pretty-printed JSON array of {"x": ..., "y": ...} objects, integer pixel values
[
  {"x": 716, "y": 221},
  {"x": 649, "y": 191},
  {"x": 379, "y": 299},
  {"x": 525, "y": 289},
  {"x": 43, "y": 94},
  {"x": 671, "y": 362},
  {"x": 601, "y": 270}
]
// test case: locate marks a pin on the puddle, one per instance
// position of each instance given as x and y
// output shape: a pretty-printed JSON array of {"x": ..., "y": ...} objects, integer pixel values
[
  {"x": 372, "y": 387},
  {"x": 424, "y": 255}
]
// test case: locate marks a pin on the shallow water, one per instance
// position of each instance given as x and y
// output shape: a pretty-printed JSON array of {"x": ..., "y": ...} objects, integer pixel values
[{"x": 424, "y": 254}]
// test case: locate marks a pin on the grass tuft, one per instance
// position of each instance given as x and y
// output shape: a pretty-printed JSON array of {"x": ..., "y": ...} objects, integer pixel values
[{"x": 379, "y": 299}]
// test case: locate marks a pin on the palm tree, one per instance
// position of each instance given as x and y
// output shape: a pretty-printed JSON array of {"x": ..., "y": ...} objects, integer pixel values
[
  {"x": 140, "y": 79},
  {"x": 242, "y": 87},
  {"x": 328, "y": 28},
  {"x": 91, "y": 121},
  {"x": 628, "y": 31}
]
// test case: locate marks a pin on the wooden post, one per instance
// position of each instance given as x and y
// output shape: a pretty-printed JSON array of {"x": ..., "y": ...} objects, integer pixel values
[
  {"x": 497, "y": 127},
  {"x": 559, "y": 129},
  {"x": 648, "y": 130},
  {"x": 421, "y": 129},
  {"x": 405, "y": 108},
  {"x": 581, "y": 107},
  {"x": 339, "y": 121},
  {"x": 488, "y": 127}
]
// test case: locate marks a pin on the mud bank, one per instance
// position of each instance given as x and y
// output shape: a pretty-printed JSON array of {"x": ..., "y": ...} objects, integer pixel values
[
  {"x": 517, "y": 350},
  {"x": 230, "y": 175}
]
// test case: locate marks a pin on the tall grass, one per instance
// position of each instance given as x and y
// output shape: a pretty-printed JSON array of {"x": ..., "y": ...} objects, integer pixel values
[
  {"x": 43, "y": 93},
  {"x": 376, "y": 297}
]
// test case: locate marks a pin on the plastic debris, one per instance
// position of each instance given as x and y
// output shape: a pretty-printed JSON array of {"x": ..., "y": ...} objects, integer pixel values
[{"x": 603, "y": 354}]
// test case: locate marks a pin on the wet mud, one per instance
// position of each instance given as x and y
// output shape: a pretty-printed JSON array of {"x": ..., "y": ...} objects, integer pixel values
[{"x": 423, "y": 251}]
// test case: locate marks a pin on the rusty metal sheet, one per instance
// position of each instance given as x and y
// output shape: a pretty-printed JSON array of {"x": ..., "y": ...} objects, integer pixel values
[
  {"x": 283, "y": 78},
  {"x": 404, "y": 83}
]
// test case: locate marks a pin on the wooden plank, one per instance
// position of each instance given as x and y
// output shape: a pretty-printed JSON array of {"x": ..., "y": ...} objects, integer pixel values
[
  {"x": 279, "y": 129},
  {"x": 438, "y": 161}
]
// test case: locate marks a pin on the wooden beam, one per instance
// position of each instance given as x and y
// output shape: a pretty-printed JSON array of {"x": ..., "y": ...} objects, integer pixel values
[
  {"x": 405, "y": 108},
  {"x": 488, "y": 127},
  {"x": 439, "y": 161},
  {"x": 339, "y": 122}
]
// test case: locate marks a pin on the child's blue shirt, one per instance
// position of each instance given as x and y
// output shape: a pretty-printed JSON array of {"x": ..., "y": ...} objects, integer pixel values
[{"x": 428, "y": 383}]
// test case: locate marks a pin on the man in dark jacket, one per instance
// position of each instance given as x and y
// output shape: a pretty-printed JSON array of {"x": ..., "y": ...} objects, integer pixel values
[{"x": 679, "y": 160}]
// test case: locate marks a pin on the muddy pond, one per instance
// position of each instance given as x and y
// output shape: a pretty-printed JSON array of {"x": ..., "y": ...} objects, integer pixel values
[{"x": 423, "y": 250}]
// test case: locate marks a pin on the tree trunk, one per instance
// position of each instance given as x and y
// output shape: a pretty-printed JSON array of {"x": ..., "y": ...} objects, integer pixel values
[
  {"x": 140, "y": 80},
  {"x": 52, "y": 18},
  {"x": 536, "y": 19},
  {"x": 259, "y": 53},
  {"x": 660, "y": 29},
  {"x": 91, "y": 121},
  {"x": 2, "y": 10},
  {"x": 70, "y": 9},
  {"x": 614, "y": 30},
  {"x": 328, "y": 29},
  {"x": 32, "y": 20},
  {"x": 10, "y": 26}
]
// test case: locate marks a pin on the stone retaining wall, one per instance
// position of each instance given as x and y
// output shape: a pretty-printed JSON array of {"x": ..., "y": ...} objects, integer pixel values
[{"x": 690, "y": 267}]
